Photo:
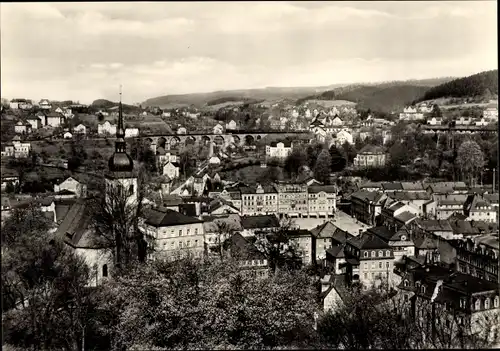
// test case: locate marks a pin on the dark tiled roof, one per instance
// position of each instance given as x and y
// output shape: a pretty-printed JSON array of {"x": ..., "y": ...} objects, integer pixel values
[
  {"x": 165, "y": 218},
  {"x": 188, "y": 209},
  {"x": 325, "y": 230},
  {"x": 382, "y": 232},
  {"x": 242, "y": 249},
  {"x": 336, "y": 251},
  {"x": 368, "y": 241},
  {"x": 425, "y": 243},
  {"x": 295, "y": 233},
  {"x": 366, "y": 195},
  {"x": 405, "y": 217},
  {"x": 260, "y": 221},
  {"x": 372, "y": 149},
  {"x": 329, "y": 189},
  {"x": 392, "y": 186},
  {"x": 409, "y": 196}
]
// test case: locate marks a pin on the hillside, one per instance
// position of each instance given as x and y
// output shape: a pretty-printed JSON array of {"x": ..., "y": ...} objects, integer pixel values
[
  {"x": 202, "y": 99},
  {"x": 384, "y": 99},
  {"x": 481, "y": 84},
  {"x": 106, "y": 104}
]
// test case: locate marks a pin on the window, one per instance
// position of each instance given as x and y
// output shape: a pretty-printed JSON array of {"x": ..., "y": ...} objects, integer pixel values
[
  {"x": 496, "y": 301},
  {"x": 188, "y": 230},
  {"x": 422, "y": 289},
  {"x": 387, "y": 264},
  {"x": 487, "y": 303},
  {"x": 131, "y": 189},
  {"x": 180, "y": 232},
  {"x": 365, "y": 254},
  {"x": 403, "y": 238},
  {"x": 380, "y": 264},
  {"x": 477, "y": 305},
  {"x": 104, "y": 270},
  {"x": 462, "y": 303},
  {"x": 196, "y": 243},
  {"x": 380, "y": 254},
  {"x": 373, "y": 253},
  {"x": 188, "y": 243},
  {"x": 406, "y": 283},
  {"x": 365, "y": 265},
  {"x": 180, "y": 244},
  {"x": 388, "y": 253}
]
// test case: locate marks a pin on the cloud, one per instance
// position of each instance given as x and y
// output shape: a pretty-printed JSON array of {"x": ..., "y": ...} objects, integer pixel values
[{"x": 178, "y": 47}]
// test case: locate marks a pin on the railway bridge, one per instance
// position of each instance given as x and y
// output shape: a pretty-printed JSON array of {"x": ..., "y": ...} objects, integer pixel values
[{"x": 223, "y": 139}]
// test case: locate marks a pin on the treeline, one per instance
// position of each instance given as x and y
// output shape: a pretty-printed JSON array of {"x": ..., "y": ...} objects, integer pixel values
[
  {"x": 484, "y": 83},
  {"x": 47, "y": 304}
]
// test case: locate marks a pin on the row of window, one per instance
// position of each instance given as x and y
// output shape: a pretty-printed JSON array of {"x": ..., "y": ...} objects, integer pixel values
[
  {"x": 181, "y": 244},
  {"x": 374, "y": 275},
  {"x": 380, "y": 253},
  {"x": 374, "y": 266},
  {"x": 254, "y": 262}
]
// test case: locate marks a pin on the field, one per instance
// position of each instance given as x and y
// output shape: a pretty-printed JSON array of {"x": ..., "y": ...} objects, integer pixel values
[
  {"x": 222, "y": 105},
  {"x": 332, "y": 103}
]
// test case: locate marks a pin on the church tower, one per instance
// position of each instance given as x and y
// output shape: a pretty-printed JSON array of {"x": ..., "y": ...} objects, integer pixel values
[{"x": 120, "y": 173}]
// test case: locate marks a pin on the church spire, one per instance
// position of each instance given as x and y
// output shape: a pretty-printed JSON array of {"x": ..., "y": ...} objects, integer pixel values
[
  {"x": 120, "y": 161},
  {"x": 120, "y": 131}
]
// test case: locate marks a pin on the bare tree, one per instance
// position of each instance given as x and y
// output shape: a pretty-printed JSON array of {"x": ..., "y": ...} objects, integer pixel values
[{"x": 116, "y": 214}]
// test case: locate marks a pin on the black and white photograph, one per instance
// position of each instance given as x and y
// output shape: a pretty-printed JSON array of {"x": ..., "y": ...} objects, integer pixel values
[{"x": 249, "y": 175}]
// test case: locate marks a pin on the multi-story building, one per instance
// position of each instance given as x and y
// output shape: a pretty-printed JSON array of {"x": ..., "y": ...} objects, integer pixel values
[
  {"x": 280, "y": 149},
  {"x": 369, "y": 261},
  {"x": 306, "y": 243},
  {"x": 261, "y": 199},
  {"x": 448, "y": 205},
  {"x": 292, "y": 199},
  {"x": 400, "y": 241},
  {"x": 54, "y": 119},
  {"x": 321, "y": 200},
  {"x": 366, "y": 206},
  {"x": 34, "y": 121},
  {"x": 21, "y": 149},
  {"x": 437, "y": 295},
  {"x": 411, "y": 113},
  {"x": 344, "y": 137},
  {"x": 370, "y": 156},
  {"x": 479, "y": 257},
  {"x": 173, "y": 233},
  {"x": 44, "y": 104},
  {"x": 478, "y": 208}
]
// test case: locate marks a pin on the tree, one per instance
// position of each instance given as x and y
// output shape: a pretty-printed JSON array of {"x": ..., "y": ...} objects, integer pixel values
[
  {"x": 185, "y": 305},
  {"x": 338, "y": 160},
  {"x": 349, "y": 151},
  {"x": 470, "y": 160},
  {"x": 322, "y": 167},
  {"x": 436, "y": 111},
  {"x": 295, "y": 160},
  {"x": 116, "y": 221},
  {"x": 10, "y": 188},
  {"x": 187, "y": 160},
  {"x": 271, "y": 174},
  {"x": 43, "y": 286}
]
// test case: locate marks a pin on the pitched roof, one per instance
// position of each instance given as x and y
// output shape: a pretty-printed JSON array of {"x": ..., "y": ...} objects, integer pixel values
[
  {"x": 166, "y": 218},
  {"x": 382, "y": 232},
  {"x": 434, "y": 225},
  {"x": 372, "y": 149},
  {"x": 243, "y": 249},
  {"x": 425, "y": 242},
  {"x": 368, "y": 241},
  {"x": 286, "y": 143},
  {"x": 372, "y": 196},
  {"x": 325, "y": 230},
  {"x": 259, "y": 222},
  {"x": 329, "y": 189},
  {"x": 405, "y": 217},
  {"x": 409, "y": 196},
  {"x": 392, "y": 186},
  {"x": 336, "y": 251}
]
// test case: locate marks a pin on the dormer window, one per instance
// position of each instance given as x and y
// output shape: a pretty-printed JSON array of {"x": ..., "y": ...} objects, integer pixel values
[
  {"x": 388, "y": 253},
  {"x": 381, "y": 254},
  {"x": 496, "y": 301},
  {"x": 417, "y": 285},
  {"x": 462, "y": 303},
  {"x": 422, "y": 289},
  {"x": 403, "y": 238},
  {"x": 365, "y": 254},
  {"x": 373, "y": 253},
  {"x": 477, "y": 304},
  {"x": 487, "y": 303},
  {"x": 406, "y": 283}
]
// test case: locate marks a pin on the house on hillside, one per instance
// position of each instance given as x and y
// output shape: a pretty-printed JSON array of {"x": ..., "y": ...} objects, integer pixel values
[
  {"x": 280, "y": 149},
  {"x": 54, "y": 119},
  {"x": 106, "y": 128},
  {"x": 34, "y": 121},
  {"x": 370, "y": 156},
  {"x": 78, "y": 187},
  {"x": 80, "y": 129},
  {"x": 44, "y": 104},
  {"x": 22, "y": 127}
]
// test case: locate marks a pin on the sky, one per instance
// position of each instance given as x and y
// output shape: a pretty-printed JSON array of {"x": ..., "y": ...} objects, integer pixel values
[{"x": 84, "y": 51}]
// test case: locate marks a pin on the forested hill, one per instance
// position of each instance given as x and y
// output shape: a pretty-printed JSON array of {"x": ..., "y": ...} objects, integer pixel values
[
  {"x": 383, "y": 99},
  {"x": 106, "y": 104},
  {"x": 484, "y": 83}
]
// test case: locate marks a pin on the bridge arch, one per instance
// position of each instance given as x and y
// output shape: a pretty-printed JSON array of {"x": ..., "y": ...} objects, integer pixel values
[
  {"x": 259, "y": 137},
  {"x": 190, "y": 140},
  {"x": 205, "y": 139},
  {"x": 174, "y": 142},
  {"x": 219, "y": 140},
  {"x": 161, "y": 142},
  {"x": 236, "y": 140},
  {"x": 249, "y": 140}
]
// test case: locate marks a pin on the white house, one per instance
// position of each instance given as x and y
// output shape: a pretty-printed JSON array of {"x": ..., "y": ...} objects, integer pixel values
[
  {"x": 481, "y": 122},
  {"x": 218, "y": 129},
  {"x": 166, "y": 114},
  {"x": 68, "y": 135},
  {"x": 411, "y": 114},
  {"x": 54, "y": 119},
  {"x": 214, "y": 160},
  {"x": 36, "y": 122},
  {"x": 231, "y": 125},
  {"x": 44, "y": 104},
  {"x": 344, "y": 136},
  {"x": 21, "y": 149},
  {"x": 279, "y": 149},
  {"x": 80, "y": 129},
  {"x": 181, "y": 130},
  {"x": 464, "y": 121},
  {"x": 22, "y": 127},
  {"x": 337, "y": 121},
  {"x": 435, "y": 121},
  {"x": 171, "y": 169},
  {"x": 73, "y": 185},
  {"x": 68, "y": 113},
  {"x": 59, "y": 110},
  {"x": 131, "y": 132},
  {"x": 491, "y": 114},
  {"x": 106, "y": 128}
]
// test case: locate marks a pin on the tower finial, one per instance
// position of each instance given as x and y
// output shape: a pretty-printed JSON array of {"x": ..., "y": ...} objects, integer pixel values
[
  {"x": 120, "y": 131},
  {"x": 120, "y": 93}
]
